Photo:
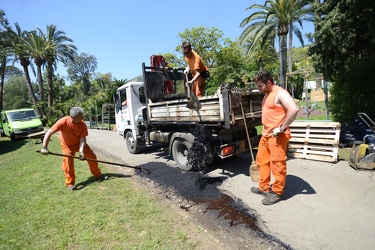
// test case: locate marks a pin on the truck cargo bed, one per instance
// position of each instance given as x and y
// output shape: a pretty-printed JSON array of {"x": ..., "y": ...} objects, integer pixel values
[{"x": 224, "y": 109}]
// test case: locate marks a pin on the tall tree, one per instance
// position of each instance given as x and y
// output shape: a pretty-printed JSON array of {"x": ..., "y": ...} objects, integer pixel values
[
  {"x": 81, "y": 69},
  {"x": 61, "y": 50},
  {"x": 344, "y": 52},
  {"x": 17, "y": 48},
  {"x": 207, "y": 42},
  {"x": 302, "y": 10},
  {"x": 16, "y": 93},
  {"x": 262, "y": 52},
  {"x": 4, "y": 44},
  {"x": 37, "y": 46},
  {"x": 273, "y": 16}
]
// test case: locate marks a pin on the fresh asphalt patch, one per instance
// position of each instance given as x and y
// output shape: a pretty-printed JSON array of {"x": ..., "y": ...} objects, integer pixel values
[{"x": 199, "y": 195}]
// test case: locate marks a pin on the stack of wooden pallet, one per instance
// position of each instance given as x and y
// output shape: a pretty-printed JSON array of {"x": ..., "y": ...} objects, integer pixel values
[{"x": 314, "y": 140}]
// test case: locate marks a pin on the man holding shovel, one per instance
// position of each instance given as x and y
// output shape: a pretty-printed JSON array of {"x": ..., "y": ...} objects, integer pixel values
[
  {"x": 197, "y": 67},
  {"x": 73, "y": 132},
  {"x": 278, "y": 111}
]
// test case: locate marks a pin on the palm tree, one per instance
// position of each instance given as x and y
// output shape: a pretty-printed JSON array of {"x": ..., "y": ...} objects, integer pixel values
[
  {"x": 38, "y": 48},
  {"x": 302, "y": 10},
  {"x": 263, "y": 51},
  {"x": 61, "y": 51},
  {"x": 4, "y": 43},
  {"x": 272, "y": 17},
  {"x": 17, "y": 48}
]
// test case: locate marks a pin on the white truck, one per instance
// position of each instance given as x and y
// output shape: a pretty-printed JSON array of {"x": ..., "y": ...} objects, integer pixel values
[{"x": 147, "y": 114}]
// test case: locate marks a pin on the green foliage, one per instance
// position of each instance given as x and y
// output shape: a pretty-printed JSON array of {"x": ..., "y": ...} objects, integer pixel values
[
  {"x": 353, "y": 90},
  {"x": 344, "y": 52},
  {"x": 345, "y": 29},
  {"x": 207, "y": 42},
  {"x": 80, "y": 71},
  {"x": 16, "y": 94}
]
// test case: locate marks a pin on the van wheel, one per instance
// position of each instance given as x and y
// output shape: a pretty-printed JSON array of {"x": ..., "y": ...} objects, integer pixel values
[
  {"x": 12, "y": 137},
  {"x": 131, "y": 143},
  {"x": 180, "y": 150}
]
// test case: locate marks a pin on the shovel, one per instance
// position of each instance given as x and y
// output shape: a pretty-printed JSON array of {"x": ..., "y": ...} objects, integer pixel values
[
  {"x": 193, "y": 102},
  {"x": 106, "y": 162},
  {"x": 253, "y": 169}
]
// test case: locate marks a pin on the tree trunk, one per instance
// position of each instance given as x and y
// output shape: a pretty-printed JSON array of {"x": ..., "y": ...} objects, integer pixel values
[
  {"x": 50, "y": 89},
  {"x": 30, "y": 87},
  {"x": 290, "y": 57},
  {"x": 40, "y": 81},
  {"x": 283, "y": 49},
  {"x": 2, "y": 67}
]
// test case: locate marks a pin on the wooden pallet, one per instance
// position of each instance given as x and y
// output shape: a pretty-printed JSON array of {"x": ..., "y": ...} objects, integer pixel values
[{"x": 314, "y": 140}]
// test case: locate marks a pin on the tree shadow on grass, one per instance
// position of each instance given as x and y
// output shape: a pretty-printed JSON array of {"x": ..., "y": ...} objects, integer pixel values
[
  {"x": 91, "y": 180},
  {"x": 7, "y": 145}
]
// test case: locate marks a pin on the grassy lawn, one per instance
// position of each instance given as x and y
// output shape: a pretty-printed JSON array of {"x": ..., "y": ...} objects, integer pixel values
[{"x": 38, "y": 212}]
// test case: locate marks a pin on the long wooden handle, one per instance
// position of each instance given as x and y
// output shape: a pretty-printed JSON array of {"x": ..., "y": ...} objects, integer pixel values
[
  {"x": 247, "y": 133},
  {"x": 95, "y": 160}
]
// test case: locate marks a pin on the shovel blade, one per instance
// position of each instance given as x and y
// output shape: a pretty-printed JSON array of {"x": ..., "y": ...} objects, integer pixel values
[{"x": 194, "y": 103}]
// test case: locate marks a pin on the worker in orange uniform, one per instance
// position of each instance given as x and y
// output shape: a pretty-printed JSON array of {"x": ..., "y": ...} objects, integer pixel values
[
  {"x": 73, "y": 132},
  {"x": 196, "y": 66},
  {"x": 278, "y": 111}
]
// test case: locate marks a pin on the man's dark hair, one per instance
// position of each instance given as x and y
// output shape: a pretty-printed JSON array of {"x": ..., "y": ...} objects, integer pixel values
[
  {"x": 263, "y": 76},
  {"x": 185, "y": 45}
]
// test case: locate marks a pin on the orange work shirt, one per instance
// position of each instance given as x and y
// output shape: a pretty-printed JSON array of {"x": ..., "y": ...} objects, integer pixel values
[
  {"x": 70, "y": 133},
  {"x": 272, "y": 115},
  {"x": 195, "y": 63}
]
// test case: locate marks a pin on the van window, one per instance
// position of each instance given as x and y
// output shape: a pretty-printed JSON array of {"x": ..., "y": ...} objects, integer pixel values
[{"x": 21, "y": 115}]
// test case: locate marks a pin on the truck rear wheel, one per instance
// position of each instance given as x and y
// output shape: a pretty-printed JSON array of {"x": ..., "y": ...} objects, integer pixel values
[
  {"x": 131, "y": 143},
  {"x": 180, "y": 150}
]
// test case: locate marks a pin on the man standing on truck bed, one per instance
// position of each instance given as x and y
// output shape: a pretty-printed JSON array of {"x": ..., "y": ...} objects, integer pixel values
[
  {"x": 73, "y": 132},
  {"x": 278, "y": 111},
  {"x": 197, "y": 67}
]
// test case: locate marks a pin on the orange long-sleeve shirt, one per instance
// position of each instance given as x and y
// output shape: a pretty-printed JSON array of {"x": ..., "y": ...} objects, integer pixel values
[{"x": 71, "y": 133}]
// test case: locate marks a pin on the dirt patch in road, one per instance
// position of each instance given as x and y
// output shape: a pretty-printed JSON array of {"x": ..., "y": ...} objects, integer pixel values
[{"x": 227, "y": 222}]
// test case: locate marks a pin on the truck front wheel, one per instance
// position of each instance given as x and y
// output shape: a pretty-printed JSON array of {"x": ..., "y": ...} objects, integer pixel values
[
  {"x": 180, "y": 150},
  {"x": 131, "y": 143}
]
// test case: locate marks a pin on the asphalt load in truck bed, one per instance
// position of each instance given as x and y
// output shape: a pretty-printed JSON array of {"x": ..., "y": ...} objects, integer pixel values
[{"x": 198, "y": 196}]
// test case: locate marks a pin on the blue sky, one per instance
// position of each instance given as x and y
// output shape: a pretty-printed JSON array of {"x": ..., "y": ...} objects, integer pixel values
[{"x": 122, "y": 34}]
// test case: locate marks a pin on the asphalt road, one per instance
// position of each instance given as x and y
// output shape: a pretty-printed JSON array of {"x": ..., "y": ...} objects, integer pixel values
[{"x": 325, "y": 205}]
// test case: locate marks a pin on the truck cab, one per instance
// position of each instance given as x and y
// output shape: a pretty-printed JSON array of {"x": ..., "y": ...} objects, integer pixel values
[
  {"x": 129, "y": 103},
  {"x": 20, "y": 123}
]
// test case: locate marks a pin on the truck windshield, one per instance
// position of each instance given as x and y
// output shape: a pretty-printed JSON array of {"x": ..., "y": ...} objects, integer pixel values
[{"x": 21, "y": 115}]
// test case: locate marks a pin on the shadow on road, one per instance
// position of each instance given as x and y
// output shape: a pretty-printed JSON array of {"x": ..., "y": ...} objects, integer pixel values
[{"x": 295, "y": 185}]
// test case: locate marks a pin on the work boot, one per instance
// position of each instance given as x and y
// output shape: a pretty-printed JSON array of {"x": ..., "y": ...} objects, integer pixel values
[
  {"x": 256, "y": 190},
  {"x": 72, "y": 188},
  {"x": 102, "y": 178},
  {"x": 271, "y": 198}
]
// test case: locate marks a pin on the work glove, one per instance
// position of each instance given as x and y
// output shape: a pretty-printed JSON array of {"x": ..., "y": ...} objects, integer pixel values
[
  {"x": 190, "y": 82},
  {"x": 277, "y": 131},
  {"x": 44, "y": 151},
  {"x": 81, "y": 156},
  {"x": 186, "y": 71}
]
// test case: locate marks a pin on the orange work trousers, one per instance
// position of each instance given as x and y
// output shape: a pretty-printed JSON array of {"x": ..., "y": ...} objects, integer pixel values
[
  {"x": 68, "y": 163},
  {"x": 271, "y": 158},
  {"x": 198, "y": 86}
]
